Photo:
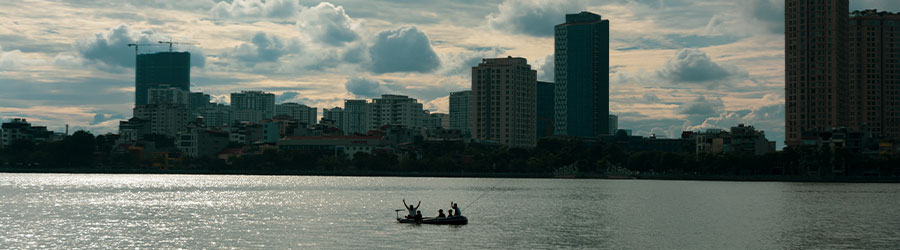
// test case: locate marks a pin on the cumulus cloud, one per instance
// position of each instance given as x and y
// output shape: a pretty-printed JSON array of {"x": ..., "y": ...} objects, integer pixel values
[
  {"x": 547, "y": 70},
  {"x": 461, "y": 63},
  {"x": 365, "y": 87},
  {"x": 265, "y": 48},
  {"x": 694, "y": 66},
  {"x": 533, "y": 17},
  {"x": 102, "y": 117},
  {"x": 15, "y": 59},
  {"x": 256, "y": 8},
  {"x": 404, "y": 49},
  {"x": 769, "y": 118},
  {"x": 701, "y": 108},
  {"x": 111, "y": 46},
  {"x": 328, "y": 24},
  {"x": 767, "y": 13}
]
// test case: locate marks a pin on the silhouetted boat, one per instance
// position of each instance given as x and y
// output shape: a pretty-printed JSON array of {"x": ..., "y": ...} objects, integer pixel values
[{"x": 455, "y": 220}]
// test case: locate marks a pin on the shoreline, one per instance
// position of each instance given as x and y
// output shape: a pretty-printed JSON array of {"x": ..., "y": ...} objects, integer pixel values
[{"x": 735, "y": 178}]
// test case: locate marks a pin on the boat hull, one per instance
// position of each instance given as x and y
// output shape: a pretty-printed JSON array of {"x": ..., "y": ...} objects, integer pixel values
[{"x": 455, "y": 220}]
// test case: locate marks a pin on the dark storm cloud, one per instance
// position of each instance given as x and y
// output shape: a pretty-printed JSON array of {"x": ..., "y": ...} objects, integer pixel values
[
  {"x": 404, "y": 49},
  {"x": 694, "y": 66}
]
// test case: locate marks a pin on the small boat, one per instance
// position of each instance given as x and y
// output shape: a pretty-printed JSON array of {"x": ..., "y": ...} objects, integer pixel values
[{"x": 455, "y": 220}]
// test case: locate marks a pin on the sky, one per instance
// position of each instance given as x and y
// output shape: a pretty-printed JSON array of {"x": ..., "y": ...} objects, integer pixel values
[{"x": 675, "y": 65}]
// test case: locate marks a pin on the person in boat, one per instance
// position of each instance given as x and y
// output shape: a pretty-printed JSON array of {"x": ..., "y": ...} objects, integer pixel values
[
  {"x": 449, "y": 213},
  {"x": 441, "y": 214},
  {"x": 412, "y": 210},
  {"x": 455, "y": 208},
  {"x": 418, "y": 217}
]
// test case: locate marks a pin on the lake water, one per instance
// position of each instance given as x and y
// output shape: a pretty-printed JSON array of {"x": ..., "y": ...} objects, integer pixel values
[{"x": 311, "y": 212}]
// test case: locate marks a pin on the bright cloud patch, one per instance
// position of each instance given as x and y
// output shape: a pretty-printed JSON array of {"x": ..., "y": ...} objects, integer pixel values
[
  {"x": 256, "y": 8},
  {"x": 328, "y": 24},
  {"x": 533, "y": 17},
  {"x": 405, "y": 49}
]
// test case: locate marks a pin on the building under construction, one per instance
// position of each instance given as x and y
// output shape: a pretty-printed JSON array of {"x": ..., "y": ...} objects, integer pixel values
[{"x": 160, "y": 70}]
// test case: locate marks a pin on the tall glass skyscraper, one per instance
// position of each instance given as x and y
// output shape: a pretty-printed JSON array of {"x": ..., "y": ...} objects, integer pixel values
[
  {"x": 165, "y": 68},
  {"x": 582, "y": 76}
]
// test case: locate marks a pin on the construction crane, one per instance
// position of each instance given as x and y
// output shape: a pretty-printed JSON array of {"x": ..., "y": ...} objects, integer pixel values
[
  {"x": 171, "y": 42},
  {"x": 136, "y": 45}
]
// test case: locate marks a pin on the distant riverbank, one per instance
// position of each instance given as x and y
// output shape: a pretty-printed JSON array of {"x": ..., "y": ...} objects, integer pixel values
[{"x": 773, "y": 178}]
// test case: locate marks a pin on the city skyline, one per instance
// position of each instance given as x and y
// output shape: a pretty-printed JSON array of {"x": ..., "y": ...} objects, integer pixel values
[{"x": 719, "y": 66}]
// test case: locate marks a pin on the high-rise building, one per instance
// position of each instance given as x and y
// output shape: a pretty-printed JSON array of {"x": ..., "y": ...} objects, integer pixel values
[
  {"x": 167, "y": 95},
  {"x": 581, "y": 52},
  {"x": 874, "y": 79},
  {"x": 503, "y": 94},
  {"x": 816, "y": 65},
  {"x": 356, "y": 117},
  {"x": 335, "y": 114},
  {"x": 613, "y": 124},
  {"x": 301, "y": 113},
  {"x": 545, "y": 105},
  {"x": 460, "y": 113},
  {"x": 199, "y": 101},
  {"x": 436, "y": 120},
  {"x": 251, "y": 105},
  {"x": 164, "y": 68},
  {"x": 165, "y": 119},
  {"x": 217, "y": 115},
  {"x": 395, "y": 110}
]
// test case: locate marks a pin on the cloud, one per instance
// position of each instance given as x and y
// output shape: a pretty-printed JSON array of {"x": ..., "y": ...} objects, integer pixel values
[
  {"x": 438, "y": 105},
  {"x": 461, "y": 63},
  {"x": 533, "y": 17},
  {"x": 15, "y": 59},
  {"x": 404, "y": 49},
  {"x": 694, "y": 66},
  {"x": 256, "y": 8},
  {"x": 286, "y": 96},
  {"x": 651, "y": 98},
  {"x": 328, "y": 24},
  {"x": 547, "y": 70},
  {"x": 882, "y": 5},
  {"x": 265, "y": 48},
  {"x": 767, "y": 13},
  {"x": 701, "y": 108},
  {"x": 101, "y": 117},
  {"x": 769, "y": 118},
  {"x": 365, "y": 87},
  {"x": 110, "y": 47}
]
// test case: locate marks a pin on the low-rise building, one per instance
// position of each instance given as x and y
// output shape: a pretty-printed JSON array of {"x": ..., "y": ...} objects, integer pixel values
[
  {"x": 200, "y": 142},
  {"x": 20, "y": 129},
  {"x": 742, "y": 139},
  {"x": 337, "y": 145}
]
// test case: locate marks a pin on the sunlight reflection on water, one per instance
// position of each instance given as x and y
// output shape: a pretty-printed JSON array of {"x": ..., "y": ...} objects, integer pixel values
[{"x": 196, "y": 211}]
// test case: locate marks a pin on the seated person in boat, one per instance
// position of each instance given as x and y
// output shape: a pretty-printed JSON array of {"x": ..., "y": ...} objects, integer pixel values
[
  {"x": 441, "y": 214},
  {"x": 455, "y": 208},
  {"x": 418, "y": 217},
  {"x": 450, "y": 213},
  {"x": 412, "y": 210}
]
